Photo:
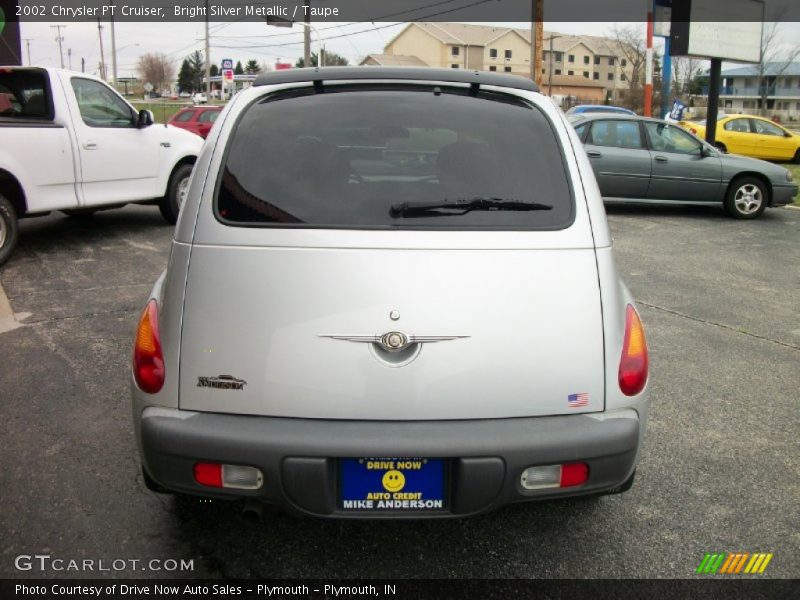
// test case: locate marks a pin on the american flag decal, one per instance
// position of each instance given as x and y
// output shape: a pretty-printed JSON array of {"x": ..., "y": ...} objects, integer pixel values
[{"x": 578, "y": 400}]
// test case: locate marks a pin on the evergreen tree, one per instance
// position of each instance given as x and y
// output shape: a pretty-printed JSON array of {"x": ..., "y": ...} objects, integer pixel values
[
  {"x": 198, "y": 67},
  {"x": 214, "y": 70},
  {"x": 185, "y": 77},
  {"x": 238, "y": 70},
  {"x": 331, "y": 60},
  {"x": 252, "y": 67}
]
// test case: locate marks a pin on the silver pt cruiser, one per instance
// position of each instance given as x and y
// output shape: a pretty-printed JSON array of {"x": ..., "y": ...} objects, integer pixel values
[{"x": 391, "y": 294}]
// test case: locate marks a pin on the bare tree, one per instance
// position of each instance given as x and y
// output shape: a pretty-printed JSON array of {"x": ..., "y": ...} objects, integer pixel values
[
  {"x": 629, "y": 44},
  {"x": 684, "y": 71},
  {"x": 157, "y": 69},
  {"x": 776, "y": 57}
]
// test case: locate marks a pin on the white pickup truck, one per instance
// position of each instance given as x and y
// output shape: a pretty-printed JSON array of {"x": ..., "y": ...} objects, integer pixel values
[{"x": 69, "y": 142}]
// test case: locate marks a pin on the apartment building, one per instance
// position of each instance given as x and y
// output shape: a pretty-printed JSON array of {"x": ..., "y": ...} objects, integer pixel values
[
  {"x": 508, "y": 50},
  {"x": 740, "y": 91}
]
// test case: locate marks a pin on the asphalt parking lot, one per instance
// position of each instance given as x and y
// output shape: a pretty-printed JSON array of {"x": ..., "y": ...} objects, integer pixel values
[{"x": 720, "y": 300}]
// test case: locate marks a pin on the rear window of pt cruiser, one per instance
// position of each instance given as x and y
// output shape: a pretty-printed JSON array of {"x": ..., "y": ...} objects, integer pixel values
[{"x": 397, "y": 157}]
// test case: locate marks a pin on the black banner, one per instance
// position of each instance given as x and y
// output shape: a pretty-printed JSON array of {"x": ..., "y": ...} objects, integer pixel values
[
  {"x": 10, "y": 45},
  {"x": 479, "y": 589},
  {"x": 373, "y": 10}
]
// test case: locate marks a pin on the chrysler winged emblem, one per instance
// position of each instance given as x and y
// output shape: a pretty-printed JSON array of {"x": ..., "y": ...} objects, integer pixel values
[{"x": 393, "y": 341}]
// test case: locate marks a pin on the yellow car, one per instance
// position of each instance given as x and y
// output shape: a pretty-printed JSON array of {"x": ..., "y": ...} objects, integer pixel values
[{"x": 751, "y": 136}]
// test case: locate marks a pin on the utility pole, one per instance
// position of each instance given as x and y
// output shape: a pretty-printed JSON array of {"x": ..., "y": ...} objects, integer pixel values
[
  {"x": 69, "y": 58},
  {"x": 102, "y": 54},
  {"x": 113, "y": 49},
  {"x": 83, "y": 65},
  {"x": 59, "y": 39},
  {"x": 648, "y": 68},
  {"x": 537, "y": 33},
  {"x": 307, "y": 34},
  {"x": 28, "y": 45},
  {"x": 208, "y": 59}
]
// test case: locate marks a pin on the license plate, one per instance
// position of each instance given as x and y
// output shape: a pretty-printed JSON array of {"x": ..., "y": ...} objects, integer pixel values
[{"x": 392, "y": 484}]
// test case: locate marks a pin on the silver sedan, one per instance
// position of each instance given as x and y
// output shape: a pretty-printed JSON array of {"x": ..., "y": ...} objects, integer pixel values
[{"x": 648, "y": 160}]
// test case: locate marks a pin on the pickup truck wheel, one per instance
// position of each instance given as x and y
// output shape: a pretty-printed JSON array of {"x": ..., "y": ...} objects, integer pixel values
[
  {"x": 9, "y": 229},
  {"x": 170, "y": 205},
  {"x": 746, "y": 198}
]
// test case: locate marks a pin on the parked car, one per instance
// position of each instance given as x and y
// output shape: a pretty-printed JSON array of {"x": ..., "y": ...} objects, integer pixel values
[
  {"x": 749, "y": 135},
  {"x": 184, "y": 95},
  {"x": 643, "y": 159},
  {"x": 70, "y": 142},
  {"x": 409, "y": 264},
  {"x": 598, "y": 108},
  {"x": 200, "y": 98},
  {"x": 198, "y": 120}
]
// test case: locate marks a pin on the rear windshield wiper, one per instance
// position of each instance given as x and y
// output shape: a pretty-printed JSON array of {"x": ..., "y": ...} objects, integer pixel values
[{"x": 461, "y": 207}]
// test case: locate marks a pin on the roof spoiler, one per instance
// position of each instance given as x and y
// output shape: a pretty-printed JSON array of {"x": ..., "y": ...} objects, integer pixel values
[{"x": 318, "y": 76}]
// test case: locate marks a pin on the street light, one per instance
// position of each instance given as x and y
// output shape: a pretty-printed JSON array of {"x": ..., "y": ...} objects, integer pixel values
[{"x": 550, "y": 75}]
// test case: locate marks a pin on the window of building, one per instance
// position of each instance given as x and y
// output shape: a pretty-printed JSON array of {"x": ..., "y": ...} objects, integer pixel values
[
  {"x": 508, "y": 53},
  {"x": 571, "y": 58},
  {"x": 493, "y": 53},
  {"x": 624, "y": 63},
  {"x": 797, "y": 105},
  {"x": 507, "y": 69},
  {"x": 586, "y": 60},
  {"x": 748, "y": 104},
  {"x": 586, "y": 74},
  {"x": 455, "y": 51},
  {"x": 611, "y": 77},
  {"x": 493, "y": 68},
  {"x": 596, "y": 76},
  {"x": 611, "y": 61},
  {"x": 597, "y": 60},
  {"x": 559, "y": 56},
  {"x": 623, "y": 77},
  {"x": 558, "y": 72},
  {"x": 454, "y": 66},
  {"x": 570, "y": 72}
]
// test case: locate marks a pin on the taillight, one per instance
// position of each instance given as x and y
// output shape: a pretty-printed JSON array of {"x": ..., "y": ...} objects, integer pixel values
[
  {"x": 148, "y": 360},
  {"x": 633, "y": 365}
]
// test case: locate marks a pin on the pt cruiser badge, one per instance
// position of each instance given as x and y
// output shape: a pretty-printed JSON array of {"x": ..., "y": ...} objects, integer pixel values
[
  {"x": 223, "y": 382},
  {"x": 393, "y": 341}
]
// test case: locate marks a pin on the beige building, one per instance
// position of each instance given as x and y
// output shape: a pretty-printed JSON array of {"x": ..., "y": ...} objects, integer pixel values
[{"x": 508, "y": 50}]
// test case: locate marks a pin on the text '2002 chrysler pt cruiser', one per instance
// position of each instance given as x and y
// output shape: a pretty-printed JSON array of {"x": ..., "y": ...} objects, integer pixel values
[{"x": 391, "y": 293}]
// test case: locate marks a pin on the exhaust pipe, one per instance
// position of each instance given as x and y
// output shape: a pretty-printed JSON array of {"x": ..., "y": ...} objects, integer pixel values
[{"x": 253, "y": 510}]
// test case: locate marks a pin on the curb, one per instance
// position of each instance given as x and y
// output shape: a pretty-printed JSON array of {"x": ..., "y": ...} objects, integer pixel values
[{"x": 791, "y": 207}]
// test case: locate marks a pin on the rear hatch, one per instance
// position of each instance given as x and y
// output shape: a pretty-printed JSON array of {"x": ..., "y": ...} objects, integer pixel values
[{"x": 349, "y": 224}]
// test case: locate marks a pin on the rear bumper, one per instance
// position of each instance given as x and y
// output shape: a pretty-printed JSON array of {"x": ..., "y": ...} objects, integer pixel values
[
  {"x": 298, "y": 456},
  {"x": 783, "y": 194}
]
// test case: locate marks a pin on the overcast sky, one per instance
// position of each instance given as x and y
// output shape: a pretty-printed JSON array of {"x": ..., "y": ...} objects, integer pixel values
[{"x": 239, "y": 41}]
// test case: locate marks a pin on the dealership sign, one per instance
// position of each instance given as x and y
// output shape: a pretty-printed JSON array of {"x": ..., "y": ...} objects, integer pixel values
[{"x": 729, "y": 30}]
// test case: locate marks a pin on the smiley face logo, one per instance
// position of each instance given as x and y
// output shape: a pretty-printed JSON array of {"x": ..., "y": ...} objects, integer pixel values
[{"x": 393, "y": 481}]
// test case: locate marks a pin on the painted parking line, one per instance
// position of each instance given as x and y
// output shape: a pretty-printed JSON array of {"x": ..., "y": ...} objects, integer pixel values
[{"x": 7, "y": 320}]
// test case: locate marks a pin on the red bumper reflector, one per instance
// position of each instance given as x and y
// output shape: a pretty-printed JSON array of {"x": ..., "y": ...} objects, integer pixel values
[
  {"x": 209, "y": 474},
  {"x": 574, "y": 474}
]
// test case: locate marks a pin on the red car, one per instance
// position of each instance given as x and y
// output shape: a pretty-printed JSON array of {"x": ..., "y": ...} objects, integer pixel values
[{"x": 197, "y": 119}]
